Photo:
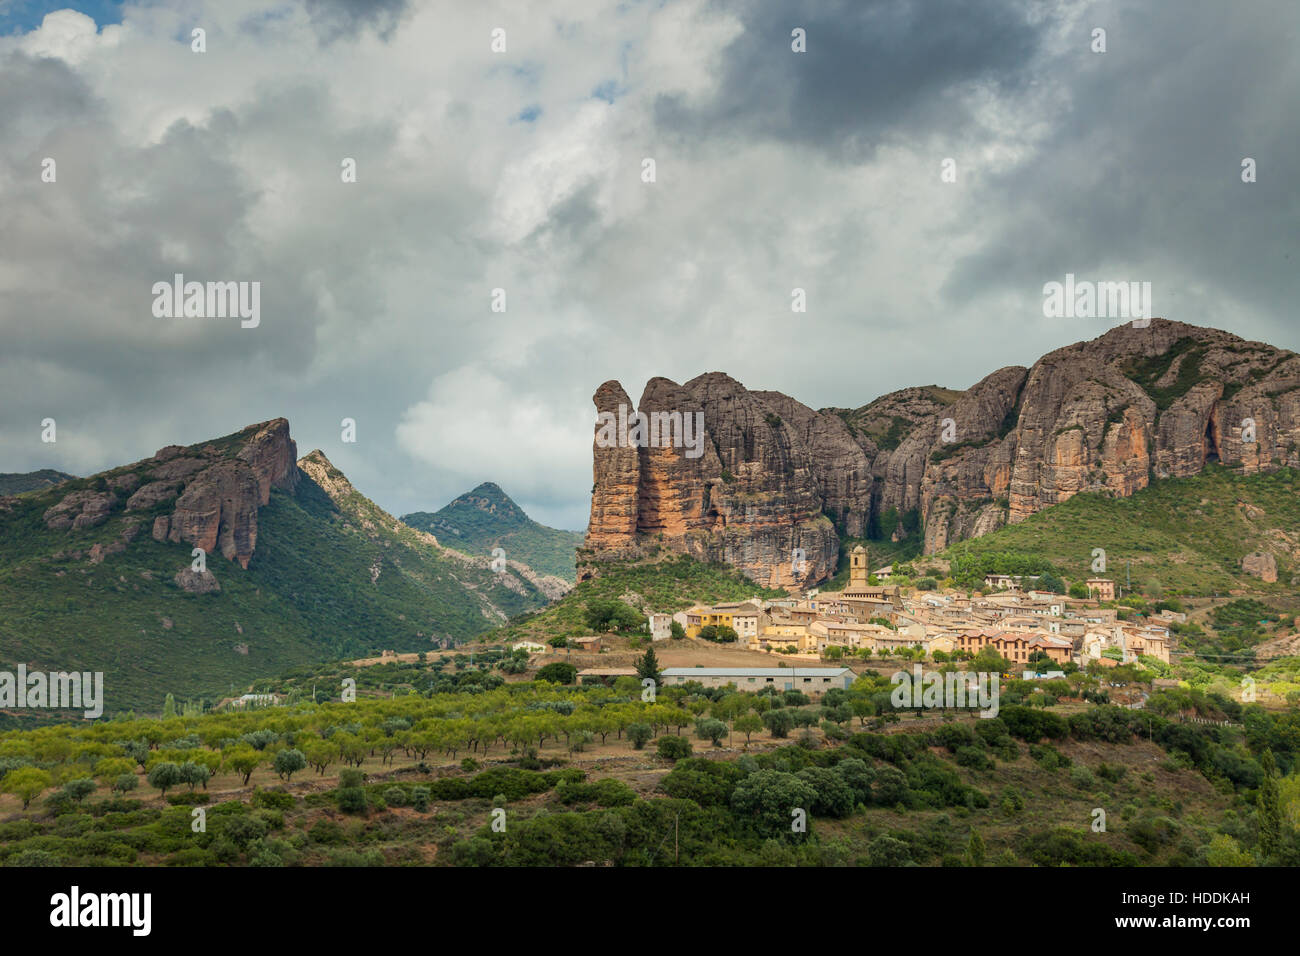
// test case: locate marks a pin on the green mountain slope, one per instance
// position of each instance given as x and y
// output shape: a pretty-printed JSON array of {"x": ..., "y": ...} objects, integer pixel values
[
  {"x": 486, "y": 518},
  {"x": 662, "y": 586},
  {"x": 17, "y": 484},
  {"x": 1182, "y": 535},
  {"x": 332, "y": 575}
]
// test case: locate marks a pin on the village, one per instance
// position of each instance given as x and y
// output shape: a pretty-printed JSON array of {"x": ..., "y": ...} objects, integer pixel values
[{"x": 1037, "y": 632}]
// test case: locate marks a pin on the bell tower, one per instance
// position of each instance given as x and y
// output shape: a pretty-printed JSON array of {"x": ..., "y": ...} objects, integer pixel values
[{"x": 858, "y": 568}]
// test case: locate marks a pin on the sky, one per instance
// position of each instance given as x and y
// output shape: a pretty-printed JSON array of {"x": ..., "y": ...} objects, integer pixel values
[{"x": 523, "y": 169}]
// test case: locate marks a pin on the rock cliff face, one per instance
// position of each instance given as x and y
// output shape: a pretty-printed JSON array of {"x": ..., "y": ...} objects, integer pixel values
[
  {"x": 217, "y": 490},
  {"x": 744, "y": 492},
  {"x": 1108, "y": 416}
]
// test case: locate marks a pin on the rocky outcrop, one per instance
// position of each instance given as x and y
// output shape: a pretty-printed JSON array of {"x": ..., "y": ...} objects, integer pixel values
[
  {"x": 153, "y": 494},
  {"x": 615, "y": 480},
  {"x": 218, "y": 511},
  {"x": 840, "y": 465},
  {"x": 1260, "y": 564},
  {"x": 1106, "y": 416},
  {"x": 743, "y": 491},
  {"x": 217, "y": 489},
  {"x": 80, "y": 509},
  {"x": 197, "y": 582}
]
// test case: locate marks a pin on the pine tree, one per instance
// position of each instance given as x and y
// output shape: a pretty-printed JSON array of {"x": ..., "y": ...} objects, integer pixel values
[
  {"x": 647, "y": 665},
  {"x": 975, "y": 849}
]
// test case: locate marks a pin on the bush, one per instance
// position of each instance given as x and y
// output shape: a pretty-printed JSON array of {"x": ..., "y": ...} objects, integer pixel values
[
  {"x": 673, "y": 748},
  {"x": 351, "y": 778},
  {"x": 243, "y": 830},
  {"x": 1112, "y": 774},
  {"x": 886, "y": 850},
  {"x": 273, "y": 799},
  {"x": 187, "y": 799},
  {"x": 34, "y": 858},
  {"x": 606, "y": 793},
  {"x": 973, "y": 758},
  {"x": 558, "y": 673},
  {"x": 420, "y": 799},
  {"x": 351, "y": 799},
  {"x": 77, "y": 790},
  {"x": 779, "y": 722},
  {"x": 1032, "y": 725},
  {"x": 834, "y": 797},
  {"x": 326, "y": 833},
  {"x": 639, "y": 734}
]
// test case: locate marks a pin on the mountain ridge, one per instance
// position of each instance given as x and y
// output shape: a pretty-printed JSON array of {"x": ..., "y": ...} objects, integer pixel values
[
  {"x": 485, "y": 518},
  {"x": 17, "y": 483},
  {"x": 100, "y": 573},
  {"x": 778, "y": 483}
]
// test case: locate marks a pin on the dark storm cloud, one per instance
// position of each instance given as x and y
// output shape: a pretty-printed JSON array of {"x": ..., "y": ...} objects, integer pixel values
[
  {"x": 522, "y": 171},
  {"x": 872, "y": 70},
  {"x": 37, "y": 90},
  {"x": 1142, "y": 165}
]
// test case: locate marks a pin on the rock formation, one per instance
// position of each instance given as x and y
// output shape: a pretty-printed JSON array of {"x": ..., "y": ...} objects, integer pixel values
[
  {"x": 216, "y": 490},
  {"x": 750, "y": 497},
  {"x": 1260, "y": 564},
  {"x": 1107, "y": 416}
]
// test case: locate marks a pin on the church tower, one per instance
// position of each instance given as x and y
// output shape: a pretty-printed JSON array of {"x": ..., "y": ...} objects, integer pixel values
[{"x": 858, "y": 569}]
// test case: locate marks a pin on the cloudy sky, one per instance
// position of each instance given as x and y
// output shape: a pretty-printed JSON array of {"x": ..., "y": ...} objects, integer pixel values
[{"x": 522, "y": 170}]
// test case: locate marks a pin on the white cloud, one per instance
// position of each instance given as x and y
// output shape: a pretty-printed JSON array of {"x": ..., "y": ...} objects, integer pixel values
[
  {"x": 376, "y": 294},
  {"x": 474, "y": 426}
]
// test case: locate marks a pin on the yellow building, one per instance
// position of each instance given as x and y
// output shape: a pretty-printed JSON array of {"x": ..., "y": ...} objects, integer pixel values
[
  {"x": 781, "y": 634},
  {"x": 742, "y": 617}
]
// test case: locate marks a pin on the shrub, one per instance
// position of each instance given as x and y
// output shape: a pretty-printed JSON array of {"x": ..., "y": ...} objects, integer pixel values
[
  {"x": 351, "y": 799},
  {"x": 559, "y": 672},
  {"x": 243, "y": 830},
  {"x": 973, "y": 758},
  {"x": 395, "y": 797},
  {"x": 779, "y": 722},
  {"x": 351, "y": 778},
  {"x": 77, "y": 790},
  {"x": 273, "y": 799},
  {"x": 326, "y": 833},
  {"x": 673, "y": 748}
]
